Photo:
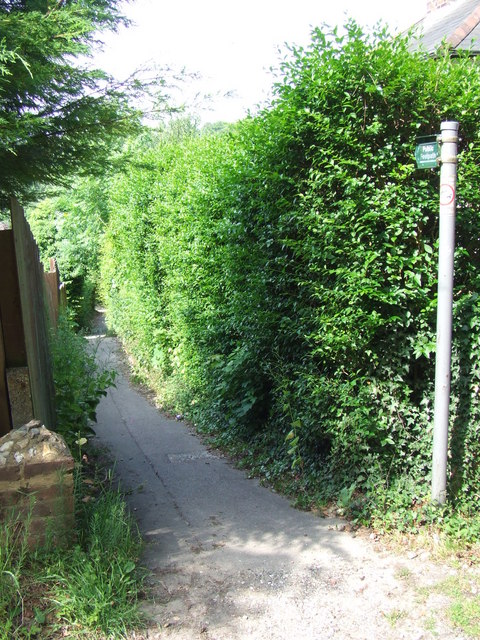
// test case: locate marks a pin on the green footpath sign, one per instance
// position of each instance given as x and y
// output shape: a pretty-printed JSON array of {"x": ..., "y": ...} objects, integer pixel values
[{"x": 426, "y": 153}]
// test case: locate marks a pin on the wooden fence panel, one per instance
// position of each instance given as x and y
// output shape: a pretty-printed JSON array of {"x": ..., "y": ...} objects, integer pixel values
[
  {"x": 15, "y": 396},
  {"x": 10, "y": 307},
  {"x": 31, "y": 285},
  {"x": 5, "y": 421}
]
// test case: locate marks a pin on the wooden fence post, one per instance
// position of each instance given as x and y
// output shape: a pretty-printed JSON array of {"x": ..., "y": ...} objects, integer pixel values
[{"x": 52, "y": 292}]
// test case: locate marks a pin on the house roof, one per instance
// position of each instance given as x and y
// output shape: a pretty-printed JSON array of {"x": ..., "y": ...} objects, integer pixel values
[{"x": 457, "y": 24}]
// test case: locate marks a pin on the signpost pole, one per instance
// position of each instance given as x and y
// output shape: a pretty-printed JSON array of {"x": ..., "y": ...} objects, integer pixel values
[{"x": 448, "y": 183}]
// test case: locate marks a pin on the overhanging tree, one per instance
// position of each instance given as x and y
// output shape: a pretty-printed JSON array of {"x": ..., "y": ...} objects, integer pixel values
[{"x": 56, "y": 116}]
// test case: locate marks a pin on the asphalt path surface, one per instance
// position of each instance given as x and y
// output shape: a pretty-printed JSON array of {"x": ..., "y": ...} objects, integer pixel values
[{"x": 230, "y": 559}]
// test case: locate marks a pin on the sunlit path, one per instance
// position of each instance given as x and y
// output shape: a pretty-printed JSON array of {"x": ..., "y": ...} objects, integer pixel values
[{"x": 231, "y": 559}]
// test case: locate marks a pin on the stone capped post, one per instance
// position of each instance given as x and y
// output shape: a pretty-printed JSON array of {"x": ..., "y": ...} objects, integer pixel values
[{"x": 36, "y": 483}]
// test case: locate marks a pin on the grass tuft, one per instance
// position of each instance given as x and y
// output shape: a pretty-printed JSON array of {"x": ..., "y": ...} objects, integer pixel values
[{"x": 90, "y": 590}]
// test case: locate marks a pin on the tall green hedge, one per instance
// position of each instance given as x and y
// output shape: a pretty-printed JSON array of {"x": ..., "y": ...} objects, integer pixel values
[{"x": 280, "y": 276}]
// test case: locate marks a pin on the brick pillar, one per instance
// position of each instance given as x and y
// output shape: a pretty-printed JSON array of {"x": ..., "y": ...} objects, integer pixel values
[{"x": 36, "y": 483}]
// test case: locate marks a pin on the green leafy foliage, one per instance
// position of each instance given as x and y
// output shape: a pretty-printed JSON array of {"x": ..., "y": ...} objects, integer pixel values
[
  {"x": 278, "y": 279},
  {"x": 56, "y": 115},
  {"x": 79, "y": 382},
  {"x": 69, "y": 226}
]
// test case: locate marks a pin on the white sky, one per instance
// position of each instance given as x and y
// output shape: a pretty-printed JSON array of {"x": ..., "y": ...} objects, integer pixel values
[{"x": 234, "y": 44}]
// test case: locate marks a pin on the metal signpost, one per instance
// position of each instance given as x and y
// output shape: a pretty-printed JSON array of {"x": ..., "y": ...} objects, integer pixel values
[
  {"x": 426, "y": 154},
  {"x": 446, "y": 241}
]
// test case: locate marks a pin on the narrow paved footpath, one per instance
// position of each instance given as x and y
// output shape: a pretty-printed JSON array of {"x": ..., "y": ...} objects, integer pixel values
[{"x": 230, "y": 559}]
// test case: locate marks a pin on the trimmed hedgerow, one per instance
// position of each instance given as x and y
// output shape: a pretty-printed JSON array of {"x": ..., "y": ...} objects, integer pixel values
[{"x": 280, "y": 277}]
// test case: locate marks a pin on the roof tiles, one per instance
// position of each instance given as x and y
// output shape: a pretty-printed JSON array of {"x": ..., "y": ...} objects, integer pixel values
[{"x": 456, "y": 24}]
